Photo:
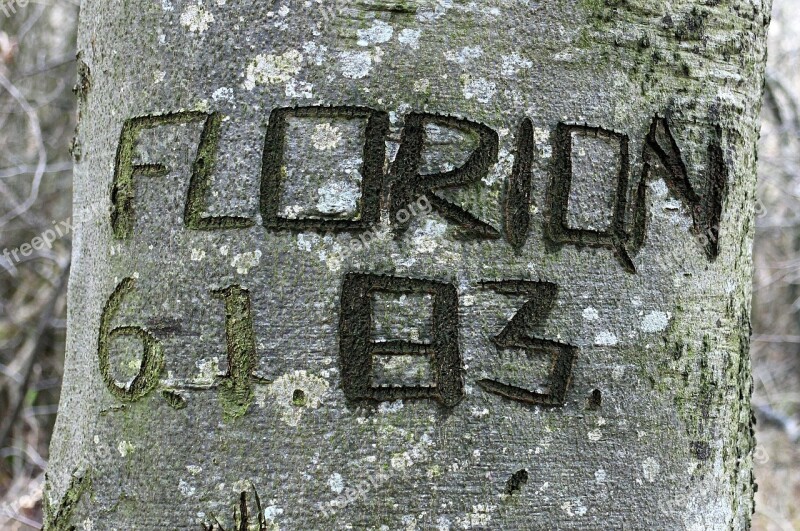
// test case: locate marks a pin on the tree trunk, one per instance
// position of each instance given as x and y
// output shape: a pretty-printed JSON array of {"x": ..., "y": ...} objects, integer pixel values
[{"x": 411, "y": 264}]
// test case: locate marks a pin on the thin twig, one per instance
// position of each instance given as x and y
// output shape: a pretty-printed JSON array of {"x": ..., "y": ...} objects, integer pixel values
[
  {"x": 30, "y": 352},
  {"x": 36, "y": 131}
]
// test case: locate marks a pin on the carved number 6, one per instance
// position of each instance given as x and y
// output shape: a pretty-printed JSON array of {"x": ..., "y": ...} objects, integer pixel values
[{"x": 152, "y": 352}]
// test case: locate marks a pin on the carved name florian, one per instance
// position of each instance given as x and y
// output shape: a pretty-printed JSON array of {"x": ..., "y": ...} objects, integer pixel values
[
  {"x": 624, "y": 235},
  {"x": 392, "y": 190}
]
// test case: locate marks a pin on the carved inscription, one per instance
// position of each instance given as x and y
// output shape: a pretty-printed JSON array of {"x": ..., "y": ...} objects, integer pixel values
[
  {"x": 706, "y": 209},
  {"x": 126, "y": 172},
  {"x": 234, "y": 387},
  {"x": 152, "y": 361},
  {"x": 236, "y": 393},
  {"x": 273, "y": 178},
  {"x": 518, "y": 188},
  {"x": 60, "y": 518},
  {"x": 587, "y": 160},
  {"x": 625, "y": 239},
  {"x": 623, "y": 232},
  {"x": 410, "y": 184},
  {"x": 243, "y": 519},
  {"x": 558, "y": 230},
  {"x": 439, "y": 350},
  {"x": 541, "y": 297},
  {"x": 357, "y": 350}
]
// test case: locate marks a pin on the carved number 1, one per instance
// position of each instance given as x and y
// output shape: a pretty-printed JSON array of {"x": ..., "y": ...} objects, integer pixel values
[{"x": 236, "y": 393}]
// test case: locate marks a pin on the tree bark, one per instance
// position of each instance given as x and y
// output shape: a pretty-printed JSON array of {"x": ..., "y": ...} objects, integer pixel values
[{"x": 412, "y": 264}]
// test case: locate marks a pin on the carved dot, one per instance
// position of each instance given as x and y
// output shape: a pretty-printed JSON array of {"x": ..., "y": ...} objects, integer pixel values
[
  {"x": 174, "y": 399},
  {"x": 517, "y": 480},
  {"x": 299, "y": 398},
  {"x": 595, "y": 399}
]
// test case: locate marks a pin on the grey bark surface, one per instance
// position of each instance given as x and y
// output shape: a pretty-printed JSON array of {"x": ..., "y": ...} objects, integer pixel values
[{"x": 222, "y": 311}]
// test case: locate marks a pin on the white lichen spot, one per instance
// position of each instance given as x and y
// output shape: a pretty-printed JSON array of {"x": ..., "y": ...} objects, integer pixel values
[
  {"x": 222, "y": 94},
  {"x": 194, "y": 469},
  {"x": 378, "y": 33},
  {"x": 271, "y": 513},
  {"x": 390, "y": 407},
  {"x": 410, "y": 37},
  {"x": 479, "y": 89},
  {"x": 338, "y": 197},
  {"x": 196, "y": 18},
  {"x": 305, "y": 241},
  {"x": 292, "y": 211},
  {"x": 299, "y": 89},
  {"x": 618, "y": 372},
  {"x": 409, "y": 522},
  {"x": 464, "y": 55},
  {"x": 480, "y": 517},
  {"x": 426, "y": 239},
  {"x": 422, "y": 85},
  {"x": 595, "y": 435},
  {"x": 479, "y": 413},
  {"x": 244, "y": 262},
  {"x": 209, "y": 368},
  {"x": 541, "y": 137},
  {"x": 336, "y": 483},
  {"x": 605, "y": 339},
  {"x": 198, "y": 255},
  {"x": 590, "y": 314},
  {"x": 158, "y": 76},
  {"x": 655, "y": 322},
  {"x": 124, "y": 448},
  {"x": 332, "y": 254},
  {"x": 87, "y": 525},
  {"x": 297, "y": 392},
  {"x": 659, "y": 188},
  {"x": 443, "y": 524},
  {"x": 224, "y": 250},
  {"x": 650, "y": 469},
  {"x": 273, "y": 69},
  {"x": 315, "y": 52},
  {"x": 326, "y": 137},
  {"x": 600, "y": 475},
  {"x": 401, "y": 461},
  {"x": 186, "y": 489},
  {"x": 513, "y": 63},
  {"x": 355, "y": 65},
  {"x": 134, "y": 364}
]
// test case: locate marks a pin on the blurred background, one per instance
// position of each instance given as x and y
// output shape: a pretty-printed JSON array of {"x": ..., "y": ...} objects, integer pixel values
[{"x": 37, "y": 120}]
